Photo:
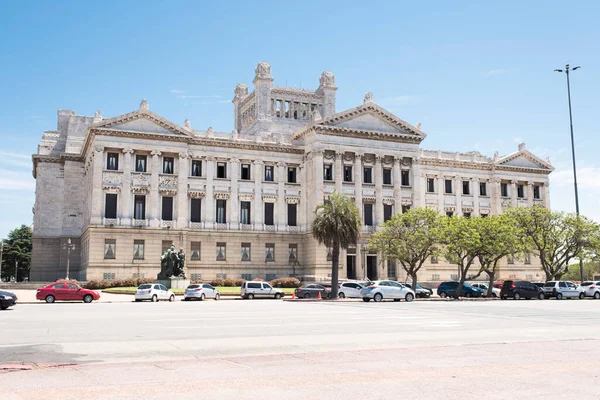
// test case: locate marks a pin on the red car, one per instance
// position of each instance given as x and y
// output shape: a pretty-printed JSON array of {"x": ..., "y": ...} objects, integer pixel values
[{"x": 66, "y": 291}]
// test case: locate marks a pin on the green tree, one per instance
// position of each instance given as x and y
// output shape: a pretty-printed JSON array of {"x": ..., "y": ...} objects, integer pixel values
[
  {"x": 557, "y": 238},
  {"x": 409, "y": 239},
  {"x": 17, "y": 249},
  {"x": 499, "y": 237},
  {"x": 337, "y": 226},
  {"x": 461, "y": 241},
  {"x": 590, "y": 270}
]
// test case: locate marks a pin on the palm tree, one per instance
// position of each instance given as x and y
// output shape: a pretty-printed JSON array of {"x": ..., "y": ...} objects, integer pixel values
[{"x": 336, "y": 225}]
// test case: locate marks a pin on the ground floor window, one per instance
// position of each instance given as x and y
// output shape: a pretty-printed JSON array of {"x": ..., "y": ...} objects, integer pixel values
[
  {"x": 245, "y": 251},
  {"x": 195, "y": 250},
  {"x": 110, "y": 248},
  {"x": 270, "y": 252},
  {"x": 247, "y": 277},
  {"x": 138, "y": 249},
  {"x": 221, "y": 251}
]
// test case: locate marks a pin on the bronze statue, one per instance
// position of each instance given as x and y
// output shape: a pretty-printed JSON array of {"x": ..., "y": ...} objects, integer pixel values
[{"x": 172, "y": 264}]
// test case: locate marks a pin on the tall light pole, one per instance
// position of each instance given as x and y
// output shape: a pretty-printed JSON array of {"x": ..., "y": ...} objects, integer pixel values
[
  {"x": 69, "y": 246},
  {"x": 1, "y": 253},
  {"x": 566, "y": 71}
]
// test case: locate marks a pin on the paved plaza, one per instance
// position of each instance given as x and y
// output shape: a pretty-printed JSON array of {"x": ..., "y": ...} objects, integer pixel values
[{"x": 277, "y": 349}]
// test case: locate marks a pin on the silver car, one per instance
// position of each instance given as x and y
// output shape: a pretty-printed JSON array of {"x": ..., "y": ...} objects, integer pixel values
[
  {"x": 251, "y": 290},
  {"x": 380, "y": 290},
  {"x": 200, "y": 292},
  {"x": 350, "y": 290},
  {"x": 153, "y": 292}
]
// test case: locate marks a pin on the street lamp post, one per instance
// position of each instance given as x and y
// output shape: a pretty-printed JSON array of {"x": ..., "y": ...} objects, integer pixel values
[
  {"x": 1, "y": 253},
  {"x": 566, "y": 71},
  {"x": 68, "y": 246}
]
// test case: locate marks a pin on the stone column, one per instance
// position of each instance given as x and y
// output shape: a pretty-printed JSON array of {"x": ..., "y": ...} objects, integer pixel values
[
  {"x": 209, "y": 206},
  {"x": 546, "y": 194},
  {"x": 418, "y": 184},
  {"x": 258, "y": 202},
  {"x": 358, "y": 184},
  {"x": 125, "y": 206},
  {"x": 317, "y": 161},
  {"x": 281, "y": 210},
  {"x": 397, "y": 176},
  {"x": 441, "y": 188},
  {"x": 233, "y": 214},
  {"x": 378, "y": 171},
  {"x": 339, "y": 171},
  {"x": 475, "y": 192},
  {"x": 97, "y": 191},
  {"x": 458, "y": 189},
  {"x": 530, "y": 194},
  {"x": 154, "y": 204},
  {"x": 182, "y": 191},
  {"x": 497, "y": 195},
  {"x": 513, "y": 193},
  {"x": 303, "y": 207}
]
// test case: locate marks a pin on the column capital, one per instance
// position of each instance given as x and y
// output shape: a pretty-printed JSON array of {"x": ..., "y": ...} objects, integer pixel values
[
  {"x": 258, "y": 162},
  {"x": 234, "y": 160},
  {"x": 530, "y": 183},
  {"x": 210, "y": 158},
  {"x": 156, "y": 153},
  {"x": 358, "y": 156},
  {"x": 282, "y": 164},
  {"x": 378, "y": 158},
  {"x": 513, "y": 182},
  {"x": 98, "y": 149},
  {"x": 184, "y": 155},
  {"x": 127, "y": 151},
  {"x": 339, "y": 155}
]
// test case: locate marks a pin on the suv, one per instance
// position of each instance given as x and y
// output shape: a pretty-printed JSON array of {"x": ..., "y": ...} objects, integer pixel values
[
  {"x": 591, "y": 289},
  {"x": 350, "y": 290},
  {"x": 521, "y": 289},
  {"x": 450, "y": 289},
  {"x": 560, "y": 289},
  {"x": 250, "y": 290}
]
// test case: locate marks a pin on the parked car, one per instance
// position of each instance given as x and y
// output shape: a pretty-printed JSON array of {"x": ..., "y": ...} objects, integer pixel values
[
  {"x": 251, "y": 290},
  {"x": 7, "y": 299},
  {"x": 521, "y": 289},
  {"x": 484, "y": 287},
  {"x": 201, "y": 291},
  {"x": 350, "y": 290},
  {"x": 312, "y": 291},
  {"x": 66, "y": 291},
  {"x": 153, "y": 292},
  {"x": 422, "y": 292},
  {"x": 539, "y": 284},
  {"x": 450, "y": 289},
  {"x": 591, "y": 289},
  {"x": 383, "y": 290},
  {"x": 563, "y": 289}
]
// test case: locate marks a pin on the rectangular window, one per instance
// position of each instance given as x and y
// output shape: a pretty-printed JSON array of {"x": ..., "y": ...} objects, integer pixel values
[
  {"x": 195, "y": 210},
  {"x": 110, "y": 249},
  {"x": 510, "y": 260},
  {"x": 221, "y": 170},
  {"x": 449, "y": 213},
  {"x": 405, "y": 178},
  {"x": 504, "y": 189},
  {"x": 168, "y": 165},
  {"x": 405, "y": 209},
  {"x": 110, "y": 206},
  {"x": 347, "y": 173},
  {"x": 527, "y": 258},
  {"x": 221, "y": 251},
  {"x": 387, "y": 176},
  {"x": 520, "y": 191},
  {"x": 367, "y": 175},
  {"x": 482, "y": 189},
  {"x": 467, "y": 214},
  {"x": 292, "y": 214},
  {"x": 196, "y": 276},
  {"x": 269, "y": 277},
  {"x": 292, "y": 175},
  {"x": 245, "y": 251},
  {"x": 165, "y": 245},
  {"x": 435, "y": 277},
  {"x": 430, "y": 185},
  {"x": 434, "y": 260},
  {"x": 270, "y": 252},
  {"x": 466, "y": 188},
  {"x": 387, "y": 212},
  {"x": 108, "y": 276},
  {"x": 138, "y": 249},
  {"x": 221, "y": 276},
  {"x": 269, "y": 176},
  {"x": 536, "y": 192},
  {"x": 112, "y": 161},
  {"x": 167, "y": 209},
  {"x": 293, "y": 252},
  {"x": 269, "y": 211},
  {"x": 448, "y": 186},
  {"x": 195, "y": 248},
  {"x": 196, "y": 168},
  {"x": 247, "y": 277},
  {"x": 245, "y": 172},
  {"x": 328, "y": 172},
  {"x": 368, "y": 214},
  {"x": 221, "y": 211},
  {"x": 140, "y": 163},
  {"x": 244, "y": 212},
  {"x": 139, "y": 210}
]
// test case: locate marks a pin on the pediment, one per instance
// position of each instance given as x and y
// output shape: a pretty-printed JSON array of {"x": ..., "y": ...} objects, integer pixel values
[
  {"x": 524, "y": 159},
  {"x": 142, "y": 121}
]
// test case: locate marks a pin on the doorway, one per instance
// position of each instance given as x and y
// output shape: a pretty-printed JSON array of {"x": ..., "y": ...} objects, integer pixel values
[
  {"x": 372, "y": 267},
  {"x": 351, "y": 267}
]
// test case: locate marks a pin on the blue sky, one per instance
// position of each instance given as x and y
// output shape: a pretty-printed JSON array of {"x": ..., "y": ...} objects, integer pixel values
[{"x": 477, "y": 76}]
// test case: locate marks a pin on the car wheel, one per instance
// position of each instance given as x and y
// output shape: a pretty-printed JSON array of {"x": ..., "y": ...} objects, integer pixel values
[
  {"x": 50, "y": 299},
  {"x": 502, "y": 297},
  {"x": 378, "y": 297},
  {"x": 137, "y": 300},
  {"x": 494, "y": 295},
  {"x": 541, "y": 296},
  {"x": 442, "y": 295},
  {"x": 154, "y": 298},
  {"x": 172, "y": 298},
  {"x": 517, "y": 296},
  {"x": 341, "y": 295},
  {"x": 251, "y": 296},
  {"x": 597, "y": 295},
  {"x": 409, "y": 297},
  {"x": 468, "y": 295},
  {"x": 581, "y": 296},
  {"x": 202, "y": 297},
  {"x": 3, "y": 307},
  {"x": 87, "y": 298},
  {"x": 277, "y": 296},
  {"x": 396, "y": 299},
  {"x": 307, "y": 295},
  {"x": 559, "y": 296},
  {"x": 217, "y": 296},
  {"x": 366, "y": 299}
]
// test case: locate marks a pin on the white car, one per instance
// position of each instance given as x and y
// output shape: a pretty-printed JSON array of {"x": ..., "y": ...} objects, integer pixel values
[
  {"x": 563, "y": 289},
  {"x": 251, "y": 290},
  {"x": 201, "y": 291},
  {"x": 350, "y": 290},
  {"x": 153, "y": 292},
  {"x": 591, "y": 289},
  {"x": 380, "y": 290},
  {"x": 484, "y": 287}
]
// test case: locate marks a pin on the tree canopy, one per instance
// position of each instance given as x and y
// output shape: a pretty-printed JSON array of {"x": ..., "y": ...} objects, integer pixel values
[
  {"x": 17, "y": 249},
  {"x": 461, "y": 241}
]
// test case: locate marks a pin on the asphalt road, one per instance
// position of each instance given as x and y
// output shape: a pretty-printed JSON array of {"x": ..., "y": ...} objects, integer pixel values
[{"x": 275, "y": 349}]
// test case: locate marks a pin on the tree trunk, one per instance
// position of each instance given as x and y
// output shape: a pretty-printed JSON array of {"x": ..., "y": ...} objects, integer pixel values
[
  {"x": 461, "y": 281},
  {"x": 335, "y": 262},
  {"x": 413, "y": 277},
  {"x": 491, "y": 275}
]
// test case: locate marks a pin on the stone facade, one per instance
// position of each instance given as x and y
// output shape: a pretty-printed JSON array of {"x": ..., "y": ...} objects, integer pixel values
[{"x": 240, "y": 204}]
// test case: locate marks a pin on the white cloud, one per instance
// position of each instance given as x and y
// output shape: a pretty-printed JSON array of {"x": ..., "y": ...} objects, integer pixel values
[
  {"x": 492, "y": 72},
  {"x": 176, "y": 91},
  {"x": 15, "y": 160},
  {"x": 13, "y": 180},
  {"x": 198, "y": 97}
]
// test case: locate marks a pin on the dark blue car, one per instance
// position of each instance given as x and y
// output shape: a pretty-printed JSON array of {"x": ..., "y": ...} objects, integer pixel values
[{"x": 450, "y": 289}]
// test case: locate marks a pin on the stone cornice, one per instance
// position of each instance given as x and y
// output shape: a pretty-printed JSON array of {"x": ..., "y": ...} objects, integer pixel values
[
  {"x": 313, "y": 130},
  {"x": 142, "y": 113}
]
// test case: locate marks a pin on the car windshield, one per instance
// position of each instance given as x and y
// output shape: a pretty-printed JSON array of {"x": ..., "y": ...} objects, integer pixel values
[
  {"x": 193, "y": 286},
  {"x": 550, "y": 284},
  {"x": 586, "y": 283},
  {"x": 144, "y": 286}
]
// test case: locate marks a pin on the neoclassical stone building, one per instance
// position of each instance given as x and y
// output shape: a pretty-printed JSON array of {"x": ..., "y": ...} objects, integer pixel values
[{"x": 240, "y": 204}]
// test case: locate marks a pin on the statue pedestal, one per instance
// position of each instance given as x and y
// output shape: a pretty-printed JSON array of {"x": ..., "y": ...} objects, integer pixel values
[{"x": 175, "y": 283}]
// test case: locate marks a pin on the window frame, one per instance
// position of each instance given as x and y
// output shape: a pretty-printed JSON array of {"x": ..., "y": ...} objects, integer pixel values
[
  {"x": 245, "y": 172},
  {"x": 144, "y": 159},
  {"x": 196, "y": 168},
  {"x": 221, "y": 166},
  {"x": 137, "y": 244},
  {"x": 165, "y": 165},
  {"x": 368, "y": 172},
  {"x": 386, "y": 173},
  {"x": 107, "y": 242},
  {"x": 110, "y": 155}
]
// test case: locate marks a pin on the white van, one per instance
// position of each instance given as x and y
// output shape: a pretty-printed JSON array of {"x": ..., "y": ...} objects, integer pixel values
[{"x": 251, "y": 290}]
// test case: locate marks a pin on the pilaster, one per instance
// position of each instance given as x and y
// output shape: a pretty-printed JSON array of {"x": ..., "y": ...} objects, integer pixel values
[
  {"x": 339, "y": 156},
  {"x": 513, "y": 193},
  {"x": 418, "y": 184},
  {"x": 234, "y": 202},
  {"x": 377, "y": 170},
  {"x": 441, "y": 192},
  {"x": 475, "y": 192},
  {"x": 126, "y": 195},
  {"x": 358, "y": 184},
  {"x": 281, "y": 210},
  {"x": 458, "y": 188},
  {"x": 182, "y": 191},
  {"x": 397, "y": 176},
  {"x": 258, "y": 202},
  {"x": 530, "y": 194},
  {"x": 154, "y": 203},
  {"x": 97, "y": 191},
  {"x": 209, "y": 207}
]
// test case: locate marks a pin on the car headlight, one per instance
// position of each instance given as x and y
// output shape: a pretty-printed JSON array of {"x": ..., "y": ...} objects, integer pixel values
[{"x": 4, "y": 297}]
